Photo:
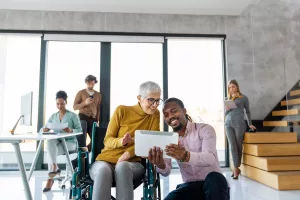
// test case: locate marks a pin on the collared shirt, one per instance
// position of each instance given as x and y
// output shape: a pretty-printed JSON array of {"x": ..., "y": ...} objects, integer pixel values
[
  {"x": 71, "y": 118},
  {"x": 200, "y": 141}
]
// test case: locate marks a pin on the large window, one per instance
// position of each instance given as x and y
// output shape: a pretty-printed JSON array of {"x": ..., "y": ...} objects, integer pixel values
[
  {"x": 131, "y": 65},
  {"x": 68, "y": 64},
  {"x": 19, "y": 74},
  {"x": 195, "y": 74}
]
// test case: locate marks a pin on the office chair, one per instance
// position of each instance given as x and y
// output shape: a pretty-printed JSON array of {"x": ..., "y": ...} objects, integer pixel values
[{"x": 81, "y": 139}]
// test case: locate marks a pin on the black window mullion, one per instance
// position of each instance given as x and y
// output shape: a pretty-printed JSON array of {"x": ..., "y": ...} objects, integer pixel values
[
  {"x": 105, "y": 80},
  {"x": 42, "y": 93},
  {"x": 225, "y": 94},
  {"x": 165, "y": 74}
]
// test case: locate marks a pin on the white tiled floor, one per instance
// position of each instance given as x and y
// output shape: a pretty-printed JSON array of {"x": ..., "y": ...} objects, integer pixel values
[{"x": 242, "y": 189}]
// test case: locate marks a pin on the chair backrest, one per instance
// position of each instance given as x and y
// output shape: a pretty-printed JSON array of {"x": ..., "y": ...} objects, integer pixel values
[
  {"x": 98, "y": 135},
  {"x": 82, "y": 138}
]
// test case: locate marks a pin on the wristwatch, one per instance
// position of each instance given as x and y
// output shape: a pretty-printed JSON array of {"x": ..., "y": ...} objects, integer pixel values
[{"x": 186, "y": 155}]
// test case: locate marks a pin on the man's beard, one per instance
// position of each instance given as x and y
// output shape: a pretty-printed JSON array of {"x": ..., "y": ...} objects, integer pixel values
[
  {"x": 90, "y": 88},
  {"x": 178, "y": 128}
]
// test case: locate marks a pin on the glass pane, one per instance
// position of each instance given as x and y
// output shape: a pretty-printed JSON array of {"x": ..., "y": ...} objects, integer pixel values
[
  {"x": 131, "y": 65},
  {"x": 68, "y": 65},
  {"x": 19, "y": 55},
  {"x": 195, "y": 76}
]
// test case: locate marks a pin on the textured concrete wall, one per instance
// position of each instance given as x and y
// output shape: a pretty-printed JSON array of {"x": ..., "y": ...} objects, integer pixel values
[{"x": 258, "y": 41}]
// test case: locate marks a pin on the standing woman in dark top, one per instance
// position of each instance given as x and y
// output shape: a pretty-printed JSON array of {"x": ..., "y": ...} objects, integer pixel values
[{"x": 235, "y": 124}]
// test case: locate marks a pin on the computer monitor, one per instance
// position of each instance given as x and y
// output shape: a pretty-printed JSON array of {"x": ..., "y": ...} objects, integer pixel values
[{"x": 26, "y": 111}]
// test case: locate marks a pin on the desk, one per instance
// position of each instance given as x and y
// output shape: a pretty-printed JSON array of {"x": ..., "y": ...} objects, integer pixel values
[{"x": 15, "y": 140}]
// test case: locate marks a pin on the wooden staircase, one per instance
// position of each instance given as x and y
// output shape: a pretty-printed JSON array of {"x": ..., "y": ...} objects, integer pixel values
[
  {"x": 287, "y": 107},
  {"x": 272, "y": 159}
]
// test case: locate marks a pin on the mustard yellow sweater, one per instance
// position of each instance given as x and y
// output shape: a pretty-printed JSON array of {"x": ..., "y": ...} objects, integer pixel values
[{"x": 126, "y": 119}]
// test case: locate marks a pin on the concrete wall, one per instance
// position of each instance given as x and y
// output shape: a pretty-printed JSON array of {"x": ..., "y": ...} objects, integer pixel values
[{"x": 257, "y": 41}]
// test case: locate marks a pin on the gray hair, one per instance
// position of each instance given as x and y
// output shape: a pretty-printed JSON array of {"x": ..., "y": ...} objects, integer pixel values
[{"x": 148, "y": 87}]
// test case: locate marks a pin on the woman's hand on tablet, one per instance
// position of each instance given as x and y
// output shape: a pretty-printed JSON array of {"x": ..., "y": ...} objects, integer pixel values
[{"x": 155, "y": 156}]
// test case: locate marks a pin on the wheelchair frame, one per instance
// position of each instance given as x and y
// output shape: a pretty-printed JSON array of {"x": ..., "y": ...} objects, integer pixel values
[{"x": 82, "y": 185}]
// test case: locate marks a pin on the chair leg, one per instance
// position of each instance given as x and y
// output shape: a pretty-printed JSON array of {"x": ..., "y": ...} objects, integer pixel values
[{"x": 67, "y": 178}]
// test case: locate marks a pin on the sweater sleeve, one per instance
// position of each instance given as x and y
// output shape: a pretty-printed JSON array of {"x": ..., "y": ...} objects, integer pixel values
[{"x": 111, "y": 139}]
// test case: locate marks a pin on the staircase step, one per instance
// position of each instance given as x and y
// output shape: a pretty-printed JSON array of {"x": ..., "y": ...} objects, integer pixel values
[
  {"x": 280, "y": 123},
  {"x": 290, "y": 102},
  {"x": 287, "y": 163},
  {"x": 275, "y": 123},
  {"x": 272, "y": 149},
  {"x": 278, "y": 180},
  {"x": 285, "y": 112},
  {"x": 270, "y": 137},
  {"x": 295, "y": 93}
]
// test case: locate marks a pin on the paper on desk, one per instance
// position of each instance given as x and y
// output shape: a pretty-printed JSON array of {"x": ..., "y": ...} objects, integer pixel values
[{"x": 57, "y": 126}]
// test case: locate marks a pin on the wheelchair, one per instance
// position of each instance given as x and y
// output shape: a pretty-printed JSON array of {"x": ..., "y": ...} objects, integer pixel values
[{"x": 82, "y": 184}]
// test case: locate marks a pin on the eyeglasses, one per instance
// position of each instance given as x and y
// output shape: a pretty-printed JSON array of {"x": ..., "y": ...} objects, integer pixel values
[{"x": 151, "y": 101}]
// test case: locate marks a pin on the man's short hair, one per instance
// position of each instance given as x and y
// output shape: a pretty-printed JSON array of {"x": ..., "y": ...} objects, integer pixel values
[
  {"x": 176, "y": 100},
  {"x": 91, "y": 78}
]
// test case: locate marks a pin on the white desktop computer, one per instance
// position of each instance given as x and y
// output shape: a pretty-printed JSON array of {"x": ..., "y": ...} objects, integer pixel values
[{"x": 26, "y": 111}]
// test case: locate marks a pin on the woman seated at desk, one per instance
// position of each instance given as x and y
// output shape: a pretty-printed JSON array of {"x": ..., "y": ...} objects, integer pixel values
[{"x": 55, "y": 147}]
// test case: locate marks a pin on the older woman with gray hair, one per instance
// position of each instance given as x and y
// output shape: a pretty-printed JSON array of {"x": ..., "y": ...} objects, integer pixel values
[{"x": 117, "y": 160}]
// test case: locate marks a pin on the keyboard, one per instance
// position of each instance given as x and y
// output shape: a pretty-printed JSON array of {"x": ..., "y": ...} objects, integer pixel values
[{"x": 50, "y": 133}]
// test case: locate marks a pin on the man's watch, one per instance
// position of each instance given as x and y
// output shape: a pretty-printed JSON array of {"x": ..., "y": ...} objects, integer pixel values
[{"x": 186, "y": 155}]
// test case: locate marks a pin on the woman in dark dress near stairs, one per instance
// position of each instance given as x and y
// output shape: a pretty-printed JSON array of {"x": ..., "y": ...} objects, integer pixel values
[{"x": 235, "y": 125}]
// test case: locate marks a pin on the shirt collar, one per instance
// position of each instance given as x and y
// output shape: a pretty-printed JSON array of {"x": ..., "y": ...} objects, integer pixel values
[{"x": 189, "y": 126}]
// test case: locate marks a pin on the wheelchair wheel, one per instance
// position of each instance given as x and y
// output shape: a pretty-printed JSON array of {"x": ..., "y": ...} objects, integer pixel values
[{"x": 154, "y": 195}]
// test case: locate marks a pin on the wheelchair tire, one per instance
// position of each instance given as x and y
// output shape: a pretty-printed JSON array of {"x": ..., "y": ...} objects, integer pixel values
[{"x": 154, "y": 194}]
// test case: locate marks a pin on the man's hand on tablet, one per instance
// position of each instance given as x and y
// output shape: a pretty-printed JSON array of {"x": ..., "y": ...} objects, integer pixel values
[
  {"x": 177, "y": 152},
  {"x": 155, "y": 156}
]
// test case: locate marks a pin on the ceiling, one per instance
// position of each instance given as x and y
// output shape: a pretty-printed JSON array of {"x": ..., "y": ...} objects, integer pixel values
[{"x": 198, "y": 7}]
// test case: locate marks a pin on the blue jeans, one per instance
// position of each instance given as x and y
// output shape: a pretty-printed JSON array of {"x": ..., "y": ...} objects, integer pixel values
[{"x": 214, "y": 187}]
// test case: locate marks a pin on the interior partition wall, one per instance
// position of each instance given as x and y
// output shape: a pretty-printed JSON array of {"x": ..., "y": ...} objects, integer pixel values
[{"x": 189, "y": 68}]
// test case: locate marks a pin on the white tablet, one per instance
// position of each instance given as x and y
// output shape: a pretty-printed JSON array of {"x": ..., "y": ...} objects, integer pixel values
[
  {"x": 230, "y": 104},
  {"x": 144, "y": 140}
]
